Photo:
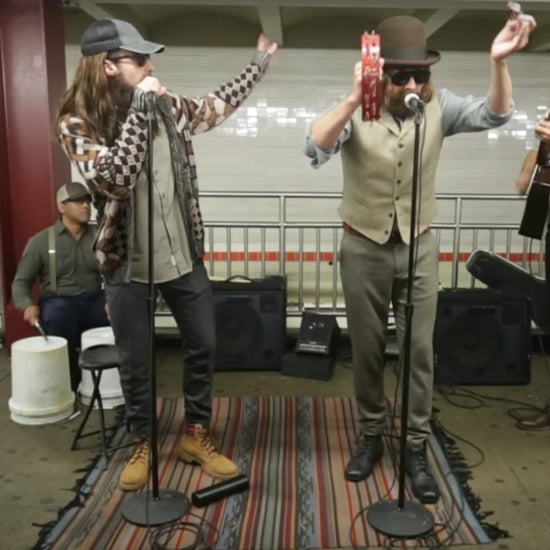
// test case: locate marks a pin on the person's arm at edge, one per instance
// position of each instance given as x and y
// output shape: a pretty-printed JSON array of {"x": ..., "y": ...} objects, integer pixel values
[
  {"x": 526, "y": 172},
  {"x": 513, "y": 37},
  {"x": 27, "y": 272}
]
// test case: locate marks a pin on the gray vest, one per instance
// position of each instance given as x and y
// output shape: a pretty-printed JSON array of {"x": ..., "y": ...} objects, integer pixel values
[{"x": 377, "y": 163}]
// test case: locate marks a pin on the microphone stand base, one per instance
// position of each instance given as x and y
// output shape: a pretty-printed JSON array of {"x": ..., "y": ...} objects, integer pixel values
[
  {"x": 411, "y": 521},
  {"x": 148, "y": 510}
]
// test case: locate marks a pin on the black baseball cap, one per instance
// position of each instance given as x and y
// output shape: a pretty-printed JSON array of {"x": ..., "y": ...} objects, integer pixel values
[{"x": 113, "y": 34}]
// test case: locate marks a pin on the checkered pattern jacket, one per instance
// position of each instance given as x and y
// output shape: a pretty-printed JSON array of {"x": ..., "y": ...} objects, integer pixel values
[{"x": 112, "y": 171}]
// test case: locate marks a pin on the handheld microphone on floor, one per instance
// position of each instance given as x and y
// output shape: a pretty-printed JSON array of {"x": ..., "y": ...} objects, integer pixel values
[{"x": 221, "y": 490}]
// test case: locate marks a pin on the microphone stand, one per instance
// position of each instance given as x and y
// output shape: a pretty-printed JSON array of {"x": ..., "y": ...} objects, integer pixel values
[
  {"x": 164, "y": 506},
  {"x": 400, "y": 518}
]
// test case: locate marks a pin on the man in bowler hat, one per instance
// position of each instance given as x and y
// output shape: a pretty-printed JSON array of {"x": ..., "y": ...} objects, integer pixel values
[{"x": 377, "y": 160}]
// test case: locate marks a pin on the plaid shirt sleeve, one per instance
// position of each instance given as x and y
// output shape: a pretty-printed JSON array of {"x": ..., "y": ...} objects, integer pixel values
[
  {"x": 112, "y": 170},
  {"x": 211, "y": 110}
]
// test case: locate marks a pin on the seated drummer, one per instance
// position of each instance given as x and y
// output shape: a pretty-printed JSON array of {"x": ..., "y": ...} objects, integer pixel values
[{"x": 71, "y": 299}]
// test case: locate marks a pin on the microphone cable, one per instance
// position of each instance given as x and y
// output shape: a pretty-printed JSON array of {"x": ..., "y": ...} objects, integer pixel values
[{"x": 162, "y": 538}]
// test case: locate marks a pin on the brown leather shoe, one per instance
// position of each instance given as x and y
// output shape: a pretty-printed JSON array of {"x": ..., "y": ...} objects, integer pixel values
[{"x": 539, "y": 422}]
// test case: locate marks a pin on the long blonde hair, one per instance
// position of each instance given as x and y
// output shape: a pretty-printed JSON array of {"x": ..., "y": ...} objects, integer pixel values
[{"x": 90, "y": 98}]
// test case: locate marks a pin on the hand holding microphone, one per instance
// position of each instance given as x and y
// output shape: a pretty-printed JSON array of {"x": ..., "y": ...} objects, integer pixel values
[
  {"x": 150, "y": 88},
  {"x": 150, "y": 84}
]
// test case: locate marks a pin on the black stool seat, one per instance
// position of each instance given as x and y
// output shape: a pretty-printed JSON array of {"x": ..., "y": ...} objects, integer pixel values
[
  {"x": 96, "y": 360},
  {"x": 99, "y": 357}
]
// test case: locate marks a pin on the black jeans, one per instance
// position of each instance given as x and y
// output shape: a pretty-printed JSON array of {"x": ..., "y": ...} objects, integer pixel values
[{"x": 190, "y": 300}]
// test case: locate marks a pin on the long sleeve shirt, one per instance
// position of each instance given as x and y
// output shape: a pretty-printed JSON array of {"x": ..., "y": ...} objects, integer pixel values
[{"x": 75, "y": 264}]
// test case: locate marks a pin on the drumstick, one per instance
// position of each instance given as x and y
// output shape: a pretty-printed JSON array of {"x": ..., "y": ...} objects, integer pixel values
[{"x": 40, "y": 330}]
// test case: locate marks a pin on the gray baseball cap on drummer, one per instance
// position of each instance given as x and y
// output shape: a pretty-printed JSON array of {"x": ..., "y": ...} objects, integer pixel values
[
  {"x": 72, "y": 191},
  {"x": 113, "y": 34}
]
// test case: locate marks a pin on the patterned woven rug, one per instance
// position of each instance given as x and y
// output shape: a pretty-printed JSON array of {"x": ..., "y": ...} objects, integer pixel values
[{"x": 293, "y": 450}]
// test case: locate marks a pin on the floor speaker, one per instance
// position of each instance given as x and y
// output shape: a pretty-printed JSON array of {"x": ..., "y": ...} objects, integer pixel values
[
  {"x": 481, "y": 336},
  {"x": 318, "y": 334},
  {"x": 250, "y": 323},
  {"x": 316, "y": 346}
]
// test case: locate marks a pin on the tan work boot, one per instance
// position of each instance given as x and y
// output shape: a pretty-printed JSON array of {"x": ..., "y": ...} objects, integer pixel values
[
  {"x": 136, "y": 472},
  {"x": 198, "y": 448}
]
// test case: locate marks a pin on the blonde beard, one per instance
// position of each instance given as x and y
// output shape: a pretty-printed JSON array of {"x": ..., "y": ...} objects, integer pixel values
[{"x": 395, "y": 105}]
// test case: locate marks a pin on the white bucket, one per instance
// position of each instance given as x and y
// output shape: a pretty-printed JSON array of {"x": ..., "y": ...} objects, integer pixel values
[
  {"x": 40, "y": 381},
  {"x": 109, "y": 387}
]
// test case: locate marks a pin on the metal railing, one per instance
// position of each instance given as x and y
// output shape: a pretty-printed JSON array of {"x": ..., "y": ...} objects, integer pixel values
[{"x": 297, "y": 235}]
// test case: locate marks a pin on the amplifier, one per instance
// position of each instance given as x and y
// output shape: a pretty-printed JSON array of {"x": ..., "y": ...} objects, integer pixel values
[
  {"x": 318, "y": 334},
  {"x": 250, "y": 319}
]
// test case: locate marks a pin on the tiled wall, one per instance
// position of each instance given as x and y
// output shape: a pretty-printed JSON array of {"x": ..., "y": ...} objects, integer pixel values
[{"x": 259, "y": 149}]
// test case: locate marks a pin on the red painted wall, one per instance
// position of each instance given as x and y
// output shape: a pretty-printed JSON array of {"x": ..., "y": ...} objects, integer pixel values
[{"x": 32, "y": 165}]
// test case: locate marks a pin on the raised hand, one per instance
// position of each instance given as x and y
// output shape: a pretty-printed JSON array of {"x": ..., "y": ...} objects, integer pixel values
[
  {"x": 266, "y": 45},
  {"x": 542, "y": 130},
  {"x": 356, "y": 91},
  {"x": 513, "y": 37}
]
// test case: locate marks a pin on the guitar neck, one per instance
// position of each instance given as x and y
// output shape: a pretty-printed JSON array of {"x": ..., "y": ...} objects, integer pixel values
[{"x": 543, "y": 155}]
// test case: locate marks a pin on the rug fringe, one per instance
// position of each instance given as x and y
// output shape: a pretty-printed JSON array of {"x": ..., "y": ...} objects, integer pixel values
[
  {"x": 462, "y": 472},
  {"x": 79, "y": 488}
]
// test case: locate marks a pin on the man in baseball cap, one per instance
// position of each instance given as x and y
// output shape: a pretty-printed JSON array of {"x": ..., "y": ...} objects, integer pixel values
[
  {"x": 61, "y": 259},
  {"x": 103, "y": 129}
]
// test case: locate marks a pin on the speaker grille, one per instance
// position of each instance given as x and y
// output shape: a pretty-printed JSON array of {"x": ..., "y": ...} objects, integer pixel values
[
  {"x": 475, "y": 341},
  {"x": 250, "y": 324},
  {"x": 481, "y": 337},
  {"x": 239, "y": 329}
]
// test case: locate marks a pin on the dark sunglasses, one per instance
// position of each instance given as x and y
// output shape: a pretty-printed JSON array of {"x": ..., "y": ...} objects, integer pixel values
[
  {"x": 80, "y": 200},
  {"x": 139, "y": 58},
  {"x": 400, "y": 78}
]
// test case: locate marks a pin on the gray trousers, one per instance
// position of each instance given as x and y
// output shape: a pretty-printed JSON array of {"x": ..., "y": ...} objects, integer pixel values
[
  {"x": 191, "y": 302},
  {"x": 374, "y": 275}
]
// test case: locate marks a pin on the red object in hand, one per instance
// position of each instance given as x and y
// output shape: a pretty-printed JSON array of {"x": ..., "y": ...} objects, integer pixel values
[{"x": 370, "y": 59}]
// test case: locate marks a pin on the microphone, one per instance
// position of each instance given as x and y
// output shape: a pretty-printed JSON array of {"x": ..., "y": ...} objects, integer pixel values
[
  {"x": 150, "y": 101},
  {"x": 224, "y": 489},
  {"x": 413, "y": 102}
]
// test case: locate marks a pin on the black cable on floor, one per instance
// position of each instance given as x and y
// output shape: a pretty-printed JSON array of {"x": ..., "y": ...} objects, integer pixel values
[{"x": 162, "y": 537}]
